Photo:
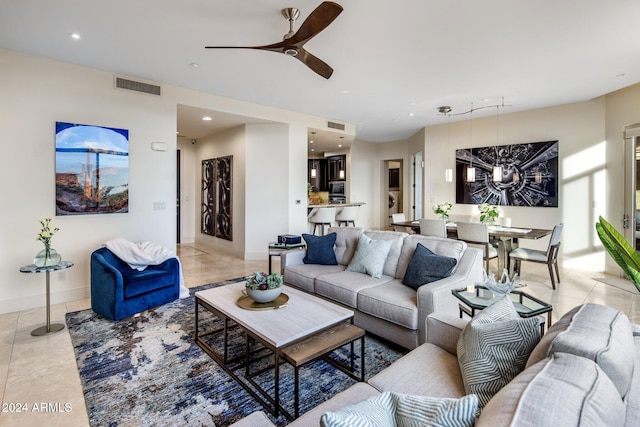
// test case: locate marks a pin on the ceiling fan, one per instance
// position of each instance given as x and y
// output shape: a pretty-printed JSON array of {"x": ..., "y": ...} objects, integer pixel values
[{"x": 293, "y": 42}]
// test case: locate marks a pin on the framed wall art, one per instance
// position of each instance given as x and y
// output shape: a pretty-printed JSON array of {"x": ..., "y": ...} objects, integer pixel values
[
  {"x": 525, "y": 175},
  {"x": 92, "y": 169},
  {"x": 217, "y": 186}
]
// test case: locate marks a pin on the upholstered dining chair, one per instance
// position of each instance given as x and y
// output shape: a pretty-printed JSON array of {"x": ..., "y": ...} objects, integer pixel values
[
  {"x": 433, "y": 227},
  {"x": 549, "y": 257},
  {"x": 400, "y": 217},
  {"x": 321, "y": 217},
  {"x": 476, "y": 234}
]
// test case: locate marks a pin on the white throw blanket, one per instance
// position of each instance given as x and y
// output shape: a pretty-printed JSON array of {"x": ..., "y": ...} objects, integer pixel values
[{"x": 141, "y": 255}]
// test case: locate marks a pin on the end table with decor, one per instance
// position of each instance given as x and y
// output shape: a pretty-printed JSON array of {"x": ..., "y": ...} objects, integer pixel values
[
  {"x": 479, "y": 297},
  {"x": 32, "y": 268}
]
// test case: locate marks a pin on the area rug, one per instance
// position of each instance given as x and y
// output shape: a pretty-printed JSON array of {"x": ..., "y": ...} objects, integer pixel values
[{"x": 147, "y": 370}]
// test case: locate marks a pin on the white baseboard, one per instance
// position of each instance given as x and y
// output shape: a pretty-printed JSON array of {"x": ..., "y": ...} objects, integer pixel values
[{"x": 37, "y": 301}]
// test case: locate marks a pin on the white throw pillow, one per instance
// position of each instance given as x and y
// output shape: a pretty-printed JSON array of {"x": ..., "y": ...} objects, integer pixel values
[{"x": 370, "y": 256}]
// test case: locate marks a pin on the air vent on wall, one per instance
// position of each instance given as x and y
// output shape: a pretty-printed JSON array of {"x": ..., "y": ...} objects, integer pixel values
[
  {"x": 137, "y": 86},
  {"x": 334, "y": 125}
]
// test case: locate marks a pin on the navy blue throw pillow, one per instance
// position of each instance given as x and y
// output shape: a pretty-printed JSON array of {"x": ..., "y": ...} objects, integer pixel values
[
  {"x": 427, "y": 267},
  {"x": 320, "y": 249}
]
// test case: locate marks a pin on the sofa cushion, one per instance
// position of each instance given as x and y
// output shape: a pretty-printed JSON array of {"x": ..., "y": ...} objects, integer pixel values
[
  {"x": 438, "y": 245},
  {"x": 427, "y": 267},
  {"x": 320, "y": 249},
  {"x": 148, "y": 280},
  {"x": 346, "y": 242},
  {"x": 426, "y": 370},
  {"x": 390, "y": 301},
  {"x": 396, "y": 409},
  {"x": 397, "y": 237},
  {"x": 632, "y": 399},
  {"x": 370, "y": 256},
  {"x": 344, "y": 286},
  {"x": 494, "y": 347},
  {"x": 562, "y": 390},
  {"x": 597, "y": 332},
  {"x": 303, "y": 276}
]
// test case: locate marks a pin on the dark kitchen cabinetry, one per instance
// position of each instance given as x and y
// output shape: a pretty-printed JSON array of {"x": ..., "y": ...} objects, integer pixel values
[
  {"x": 337, "y": 166},
  {"x": 321, "y": 181}
]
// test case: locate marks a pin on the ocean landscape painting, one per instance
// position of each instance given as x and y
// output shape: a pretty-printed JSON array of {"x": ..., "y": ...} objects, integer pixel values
[{"x": 92, "y": 169}]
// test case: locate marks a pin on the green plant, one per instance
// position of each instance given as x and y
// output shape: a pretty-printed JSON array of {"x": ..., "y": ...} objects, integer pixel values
[
  {"x": 488, "y": 213},
  {"x": 620, "y": 250},
  {"x": 442, "y": 209},
  {"x": 263, "y": 281}
]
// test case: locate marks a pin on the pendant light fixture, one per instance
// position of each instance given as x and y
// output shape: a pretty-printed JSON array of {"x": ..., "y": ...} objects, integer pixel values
[
  {"x": 497, "y": 169},
  {"x": 471, "y": 171},
  {"x": 448, "y": 172},
  {"x": 314, "y": 171}
]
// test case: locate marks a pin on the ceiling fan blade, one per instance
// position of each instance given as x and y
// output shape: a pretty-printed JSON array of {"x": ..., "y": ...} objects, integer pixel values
[
  {"x": 276, "y": 47},
  {"x": 316, "y": 64},
  {"x": 317, "y": 21}
]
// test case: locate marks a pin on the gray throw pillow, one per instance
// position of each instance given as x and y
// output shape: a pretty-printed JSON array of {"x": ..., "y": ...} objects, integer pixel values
[
  {"x": 494, "y": 347},
  {"x": 427, "y": 267},
  {"x": 320, "y": 249},
  {"x": 370, "y": 256},
  {"x": 403, "y": 410}
]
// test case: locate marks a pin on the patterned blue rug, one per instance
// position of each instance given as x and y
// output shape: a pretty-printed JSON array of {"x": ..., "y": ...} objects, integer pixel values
[{"x": 147, "y": 370}]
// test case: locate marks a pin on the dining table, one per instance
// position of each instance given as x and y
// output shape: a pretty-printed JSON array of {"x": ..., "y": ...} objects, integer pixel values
[{"x": 506, "y": 238}]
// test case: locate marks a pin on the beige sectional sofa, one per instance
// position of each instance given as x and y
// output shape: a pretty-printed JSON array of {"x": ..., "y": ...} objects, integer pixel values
[
  {"x": 384, "y": 306},
  {"x": 584, "y": 372}
]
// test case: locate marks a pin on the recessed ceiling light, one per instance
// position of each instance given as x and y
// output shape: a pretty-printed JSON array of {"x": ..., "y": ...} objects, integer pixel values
[
  {"x": 207, "y": 118},
  {"x": 75, "y": 36},
  {"x": 411, "y": 114},
  {"x": 313, "y": 149},
  {"x": 345, "y": 92},
  {"x": 194, "y": 64},
  {"x": 620, "y": 76},
  {"x": 339, "y": 145},
  {"x": 311, "y": 141}
]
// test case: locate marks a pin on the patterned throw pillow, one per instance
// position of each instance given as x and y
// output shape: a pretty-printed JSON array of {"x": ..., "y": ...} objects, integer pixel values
[
  {"x": 403, "y": 410},
  {"x": 427, "y": 267},
  {"x": 320, "y": 249},
  {"x": 370, "y": 256},
  {"x": 494, "y": 347}
]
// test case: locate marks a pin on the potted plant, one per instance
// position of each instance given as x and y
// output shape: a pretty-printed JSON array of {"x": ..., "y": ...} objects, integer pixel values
[
  {"x": 262, "y": 287},
  {"x": 488, "y": 213},
  {"x": 620, "y": 250},
  {"x": 443, "y": 210}
]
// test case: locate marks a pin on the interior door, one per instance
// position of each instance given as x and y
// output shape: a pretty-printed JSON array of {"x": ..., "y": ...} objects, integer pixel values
[
  {"x": 631, "y": 219},
  {"x": 417, "y": 164}
]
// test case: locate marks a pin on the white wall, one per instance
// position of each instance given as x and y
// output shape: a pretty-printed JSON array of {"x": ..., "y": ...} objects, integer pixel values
[
  {"x": 189, "y": 186},
  {"x": 35, "y": 93}
]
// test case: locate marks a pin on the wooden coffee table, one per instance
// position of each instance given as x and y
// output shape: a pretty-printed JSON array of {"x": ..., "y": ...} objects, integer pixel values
[{"x": 304, "y": 330}]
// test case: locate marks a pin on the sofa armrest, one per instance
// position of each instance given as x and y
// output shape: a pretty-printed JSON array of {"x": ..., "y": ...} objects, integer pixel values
[
  {"x": 443, "y": 330},
  {"x": 291, "y": 257},
  {"x": 436, "y": 296}
]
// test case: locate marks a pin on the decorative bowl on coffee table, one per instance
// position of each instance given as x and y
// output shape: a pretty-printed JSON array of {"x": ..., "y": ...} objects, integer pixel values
[{"x": 264, "y": 295}]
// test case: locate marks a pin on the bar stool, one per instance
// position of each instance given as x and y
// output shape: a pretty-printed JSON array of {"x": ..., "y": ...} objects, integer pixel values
[
  {"x": 321, "y": 217},
  {"x": 347, "y": 215}
]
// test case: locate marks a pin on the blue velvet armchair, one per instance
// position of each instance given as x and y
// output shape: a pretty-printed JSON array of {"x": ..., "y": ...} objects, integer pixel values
[{"x": 119, "y": 291}]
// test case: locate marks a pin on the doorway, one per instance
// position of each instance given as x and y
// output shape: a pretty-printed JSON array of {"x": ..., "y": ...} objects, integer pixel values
[
  {"x": 417, "y": 163},
  {"x": 631, "y": 218},
  {"x": 393, "y": 188}
]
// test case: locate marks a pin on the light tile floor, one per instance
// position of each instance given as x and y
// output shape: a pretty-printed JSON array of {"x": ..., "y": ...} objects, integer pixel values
[{"x": 39, "y": 380}]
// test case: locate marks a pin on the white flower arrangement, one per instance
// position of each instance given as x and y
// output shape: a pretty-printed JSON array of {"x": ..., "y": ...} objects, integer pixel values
[
  {"x": 46, "y": 232},
  {"x": 442, "y": 209},
  {"x": 488, "y": 213}
]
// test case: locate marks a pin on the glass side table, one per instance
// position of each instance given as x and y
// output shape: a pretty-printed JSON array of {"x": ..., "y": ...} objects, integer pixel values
[
  {"x": 48, "y": 328},
  {"x": 481, "y": 297}
]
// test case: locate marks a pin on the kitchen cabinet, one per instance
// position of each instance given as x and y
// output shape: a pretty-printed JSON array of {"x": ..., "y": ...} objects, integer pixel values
[
  {"x": 321, "y": 181},
  {"x": 337, "y": 166}
]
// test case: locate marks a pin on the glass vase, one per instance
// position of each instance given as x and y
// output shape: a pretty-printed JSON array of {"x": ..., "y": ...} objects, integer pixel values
[{"x": 47, "y": 258}]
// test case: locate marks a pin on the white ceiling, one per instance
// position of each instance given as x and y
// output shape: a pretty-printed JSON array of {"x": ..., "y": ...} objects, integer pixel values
[{"x": 395, "y": 62}]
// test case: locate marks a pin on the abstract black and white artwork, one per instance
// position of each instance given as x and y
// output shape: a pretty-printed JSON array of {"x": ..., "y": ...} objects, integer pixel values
[
  {"x": 217, "y": 181},
  {"x": 527, "y": 175}
]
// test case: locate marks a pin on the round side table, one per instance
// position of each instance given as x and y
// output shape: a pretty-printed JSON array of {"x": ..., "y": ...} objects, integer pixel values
[{"x": 48, "y": 328}]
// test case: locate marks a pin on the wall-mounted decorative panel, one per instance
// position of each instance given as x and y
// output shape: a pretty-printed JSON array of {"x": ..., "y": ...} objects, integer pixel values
[
  {"x": 528, "y": 175},
  {"x": 217, "y": 190}
]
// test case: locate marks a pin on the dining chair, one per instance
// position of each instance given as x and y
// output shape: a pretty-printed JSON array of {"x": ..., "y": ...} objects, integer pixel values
[
  {"x": 400, "y": 217},
  {"x": 476, "y": 234},
  {"x": 549, "y": 257},
  {"x": 433, "y": 227},
  {"x": 321, "y": 217}
]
